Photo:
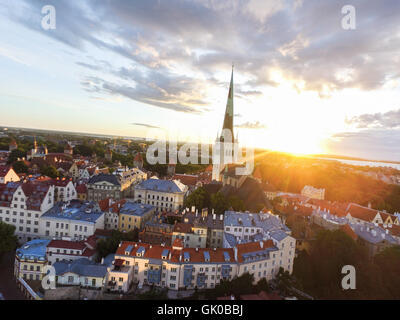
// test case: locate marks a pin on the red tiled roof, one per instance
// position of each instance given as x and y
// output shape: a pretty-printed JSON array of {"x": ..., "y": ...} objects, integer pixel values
[
  {"x": 195, "y": 254},
  {"x": 115, "y": 206},
  {"x": 252, "y": 247},
  {"x": 183, "y": 227},
  {"x": 177, "y": 243},
  {"x": 360, "y": 212},
  {"x": 81, "y": 188},
  {"x": 303, "y": 210},
  {"x": 186, "y": 179},
  {"x": 4, "y": 170},
  {"x": 65, "y": 244}
]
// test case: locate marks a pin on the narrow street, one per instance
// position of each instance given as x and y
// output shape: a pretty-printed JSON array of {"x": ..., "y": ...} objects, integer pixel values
[{"x": 8, "y": 287}]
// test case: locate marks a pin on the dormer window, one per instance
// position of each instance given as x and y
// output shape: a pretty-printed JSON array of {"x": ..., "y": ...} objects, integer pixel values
[
  {"x": 206, "y": 256},
  {"x": 186, "y": 256}
]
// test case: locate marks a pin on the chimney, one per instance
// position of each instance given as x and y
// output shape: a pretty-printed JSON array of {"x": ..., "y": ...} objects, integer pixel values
[{"x": 235, "y": 251}]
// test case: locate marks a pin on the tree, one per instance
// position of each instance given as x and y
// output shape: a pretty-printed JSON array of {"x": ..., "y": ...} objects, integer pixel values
[
  {"x": 388, "y": 263},
  {"x": 49, "y": 171},
  {"x": 15, "y": 155},
  {"x": 199, "y": 198},
  {"x": 320, "y": 272},
  {"x": 8, "y": 241},
  {"x": 219, "y": 203},
  {"x": 20, "y": 167},
  {"x": 262, "y": 285},
  {"x": 236, "y": 286},
  {"x": 83, "y": 150},
  {"x": 236, "y": 203}
]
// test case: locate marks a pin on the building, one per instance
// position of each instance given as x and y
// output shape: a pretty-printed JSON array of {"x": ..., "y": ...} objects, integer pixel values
[
  {"x": 230, "y": 178},
  {"x": 81, "y": 192},
  {"x": 175, "y": 267},
  {"x": 68, "y": 251},
  {"x": 134, "y": 215},
  {"x": 37, "y": 152},
  {"x": 68, "y": 149},
  {"x": 111, "y": 209},
  {"x": 373, "y": 237},
  {"x": 81, "y": 272},
  {"x": 22, "y": 205},
  {"x": 356, "y": 213},
  {"x": 7, "y": 174},
  {"x": 223, "y": 152},
  {"x": 108, "y": 155},
  {"x": 190, "y": 180},
  {"x": 73, "y": 171},
  {"x": 326, "y": 220},
  {"x": 138, "y": 161},
  {"x": 243, "y": 228},
  {"x": 270, "y": 190},
  {"x": 192, "y": 235},
  {"x": 128, "y": 178},
  {"x": 171, "y": 169},
  {"x": 30, "y": 260},
  {"x": 103, "y": 186},
  {"x": 313, "y": 193},
  {"x": 163, "y": 194},
  {"x": 75, "y": 220},
  {"x": 156, "y": 232},
  {"x": 213, "y": 222},
  {"x": 64, "y": 190},
  {"x": 13, "y": 145}
]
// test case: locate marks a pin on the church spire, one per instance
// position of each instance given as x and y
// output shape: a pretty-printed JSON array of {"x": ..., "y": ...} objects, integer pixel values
[{"x": 228, "y": 120}]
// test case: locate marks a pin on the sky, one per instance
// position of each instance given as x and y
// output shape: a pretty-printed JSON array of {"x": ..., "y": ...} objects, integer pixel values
[{"x": 303, "y": 83}]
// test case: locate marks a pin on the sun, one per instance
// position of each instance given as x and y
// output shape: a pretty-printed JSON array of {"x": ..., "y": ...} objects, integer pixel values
[{"x": 297, "y": 142}]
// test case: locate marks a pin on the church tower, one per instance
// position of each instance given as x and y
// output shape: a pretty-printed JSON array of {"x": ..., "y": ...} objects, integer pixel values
[{"x": 223, "y": 147}]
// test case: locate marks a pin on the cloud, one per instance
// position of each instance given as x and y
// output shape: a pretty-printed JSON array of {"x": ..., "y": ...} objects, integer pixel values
[
  {"x": 303, "y": 40},
  {"x": 251, "y": 125},
  {"x": 388, "y": 120},
  {"x": 145, "y": 125},
  {"x": 375, "y": 144},
  {"x": 157, "y": 89}
]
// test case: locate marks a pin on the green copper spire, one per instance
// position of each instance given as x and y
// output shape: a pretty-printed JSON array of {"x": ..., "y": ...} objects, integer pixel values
[{"x": 228, "y": 120}]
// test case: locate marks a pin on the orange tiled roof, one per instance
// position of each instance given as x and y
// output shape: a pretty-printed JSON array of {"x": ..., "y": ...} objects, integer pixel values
[
  {"x": 360, "y": 212},
  {"x": 252, "y": 247}
]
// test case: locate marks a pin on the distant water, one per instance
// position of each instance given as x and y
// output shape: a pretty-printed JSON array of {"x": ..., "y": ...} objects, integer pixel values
[{"x": 365, "y": 163}]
